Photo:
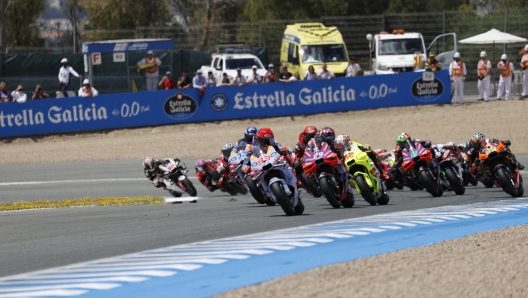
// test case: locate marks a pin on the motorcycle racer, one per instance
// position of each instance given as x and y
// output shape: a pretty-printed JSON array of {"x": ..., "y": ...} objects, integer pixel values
[
  {"x": 203, "y": 168},
  {"x": 262, "y": 140},
  {"x": 401, "y": 142},
  {"x": 246, "y": 142},
  {"x": 226, "y": 150},
  {"x": 326, "y": 135},
  {"x": 152, "y": 171},
  {"x": 477, "y": 143},
  {"x": 344, "y": 143},
  {"x": 304, "y": 137}
]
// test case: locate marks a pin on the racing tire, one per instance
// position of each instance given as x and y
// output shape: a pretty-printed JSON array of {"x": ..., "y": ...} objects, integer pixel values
[
  {"x": 366, "y": 193},
  {"x": 255, "y": 191},
  {"x": 429, "y": 185},
  {"x": 299, "y": 209},
  {"x": 230, "y": 188},
  {"x": 520, "y": 189},
  {"x": 506, "y": 182},
  {"x": 457, "y": 186},
  {"x": 310, "y": 186},
  {"x": 270, "y": 202},
  {"x": 282, "y": 198},
  {"x": 384, "y": 199},
  {"x": 190, "y": 187},
  {"x": 349, "y": 201},
  {"x": 175, "y": 193},
  {"x": 242, "y": 189},
  {"x": 328, "y": 191}
]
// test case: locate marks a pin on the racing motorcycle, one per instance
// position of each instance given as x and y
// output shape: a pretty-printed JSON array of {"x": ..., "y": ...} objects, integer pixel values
[
  {"x": 174, "y": 173},
  {"x": 362, "y": 176},
  {"x": 325, "y": 171},
  {"x": 451, "y": 171},
  {"x": 275, "y": 177},
  {"x": 421, "y": 169},
  {"x": 387, "y": 160},
  {"x": 497, "y": 160}
]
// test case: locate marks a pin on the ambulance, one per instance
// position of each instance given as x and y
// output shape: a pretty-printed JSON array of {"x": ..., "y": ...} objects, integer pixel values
[{"x": 313, "y": 44}]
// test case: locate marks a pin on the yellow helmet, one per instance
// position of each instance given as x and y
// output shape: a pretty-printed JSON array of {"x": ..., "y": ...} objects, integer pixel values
[{"x": 432, "y": 54}]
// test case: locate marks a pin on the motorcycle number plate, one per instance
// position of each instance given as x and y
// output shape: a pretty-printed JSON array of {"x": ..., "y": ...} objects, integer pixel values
[
  {"x": 489, "y": 150},
  {"x": 414, "y": 153},
  {"x": 318, "y": 155},
  {"x": 171, "y": 167}
]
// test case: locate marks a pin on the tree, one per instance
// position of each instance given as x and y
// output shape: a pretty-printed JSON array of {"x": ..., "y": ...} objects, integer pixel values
[
  {"x": 22, "y": 26},
  {"x": 74, "y": 12},
  {"x": 126, "y": 14},
  {"x": 293, "y": 9},
  {"x": 410, "y": 6}
]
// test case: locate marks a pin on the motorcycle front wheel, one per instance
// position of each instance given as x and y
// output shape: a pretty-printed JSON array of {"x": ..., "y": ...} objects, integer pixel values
[
  {"x": 328, "y": 191},
  {"x": 190, "y": 187},
  {"x": 310, "y": 186},
  {"x": 366, "y": 193},
  {"x": 506, "y": 182},
  {"x": 282, "y": 198},
  {"x": 429, "y": 184},
  {"x": 457, "y": 186}
]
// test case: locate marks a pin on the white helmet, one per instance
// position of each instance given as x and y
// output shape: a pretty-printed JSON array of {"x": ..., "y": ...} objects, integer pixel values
[
  {"x": 86, "y": 82},
  {"x": 526, "y": 48},
  {"x": 64, "y": 60},
  {"x": 457, "y": 55},
  {"x": 504, "y": 57},
  {"x": 483, "y": 54}
]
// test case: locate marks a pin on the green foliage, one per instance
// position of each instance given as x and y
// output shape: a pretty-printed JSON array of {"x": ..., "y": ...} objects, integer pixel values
[
  {"x": 293, "y": 9},
  {"x": 22, "y": 27},
  {"x": 126, "y": 14},
  {"x": 408, "y": 6}
]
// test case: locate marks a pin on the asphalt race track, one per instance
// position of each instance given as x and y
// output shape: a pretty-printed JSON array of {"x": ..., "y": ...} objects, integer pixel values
[{"x": 38, "y": 239}]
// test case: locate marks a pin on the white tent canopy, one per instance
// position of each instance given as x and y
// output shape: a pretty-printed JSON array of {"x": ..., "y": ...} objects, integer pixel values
[{"x": 493, "y": 36}]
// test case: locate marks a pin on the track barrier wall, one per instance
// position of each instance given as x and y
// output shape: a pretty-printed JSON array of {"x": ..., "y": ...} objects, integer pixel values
[{"x": 125, "y": 110}]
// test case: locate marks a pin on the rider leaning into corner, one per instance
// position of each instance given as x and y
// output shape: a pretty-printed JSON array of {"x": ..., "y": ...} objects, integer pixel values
[
  {"x": 304, "y": 137},
  {"x": 262, "y": 140},
  {"x": 343, "y": 142},
  {"x": 476, "y": 144},
  {"x": 153, "y": 173},
  {"x": 326, "y": 135},
  {"x": 203, "y": 168},
  {"x": 401, "y": 143},
  {"x": 247, "y": 140}
]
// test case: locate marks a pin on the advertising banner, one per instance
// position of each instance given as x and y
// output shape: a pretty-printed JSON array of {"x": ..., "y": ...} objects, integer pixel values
[{"x": 123, "y": 110}]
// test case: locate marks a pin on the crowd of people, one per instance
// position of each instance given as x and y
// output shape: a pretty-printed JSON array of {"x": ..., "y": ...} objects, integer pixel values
[{"x": 458, "y": 72}]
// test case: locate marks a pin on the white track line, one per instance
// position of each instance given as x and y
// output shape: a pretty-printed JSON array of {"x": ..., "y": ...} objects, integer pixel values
[{"x": 75, "y": 181}]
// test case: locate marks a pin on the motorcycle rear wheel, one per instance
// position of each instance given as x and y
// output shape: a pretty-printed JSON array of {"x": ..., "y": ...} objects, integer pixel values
[
  {"x": 242, "y": 189},
  {"x": 506, "y": 182},
  {"x": 329, "y": 192},
  {"x": 366, "y": 193},
  {"x": 457, "y": 186},
  {"x": 282, "y": 198},
  {"x": 384, "y": 199},
  {"x": 299, "y": 209},
  {"x": 429, "y": 185},
  {"x": 255, "y": 191},
  {"x": 310, "y": 186},
  {"x": 190, "y": 187},
  {"x": 230, "y": 188}
]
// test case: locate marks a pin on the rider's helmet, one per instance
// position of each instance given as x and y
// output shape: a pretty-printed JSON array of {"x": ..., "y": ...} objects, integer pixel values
[
  {"x": 150, "y": 164},
  {"x": 450, "y": 145},
  {"x": 200, "y": 165},
  {"x": 309, "y": 133},
  {"x": 265, "y": 138},
  {"x": 227, "y": 148},
  {"x": 250, "y": 132},
  {"x": 327, "y": 135},
  {"x": 477, "y": 140},
  {"x": 403, "y": 138},
  {"x": 343, "y": 141}
]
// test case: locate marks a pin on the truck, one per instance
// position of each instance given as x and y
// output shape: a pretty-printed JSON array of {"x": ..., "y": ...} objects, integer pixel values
[
  {"x": 312, "y": 44},
  {"x": 406, "y": 52},
  {"x": 230, "y": 60}
]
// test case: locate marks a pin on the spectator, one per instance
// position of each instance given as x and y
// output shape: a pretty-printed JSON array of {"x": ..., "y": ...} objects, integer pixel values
[
  {"x": 296, "y": 77},
  {"x": 87, "y": 91},
  {"x": 506, "y": 69},
  {"x": 310, "y": 74},
  {"x": 211, "y": 80},
  {"x": 225, "y": 80},
  {"x": 64, "y": 76},
  {"x": 484, "y": 71},
  {"x": 167, "y": 83},
  {"x": 184, "y": 82},
  {"x": 353, "y": 69},
  {"x": 39, "y": 94},
  {"x": 199, "y": 81},
  {"x": 239, "y": 80},
  {"x": 270, "y": 75},
  {"x": 324, "y": 73},
  {"x": 254, "y": 78},
  {"x": 4, "y": 95},
  {"x": 150, "y": 63},
  {"x": 19, "y": 95},
  {"x": 285, "y": 75}
]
